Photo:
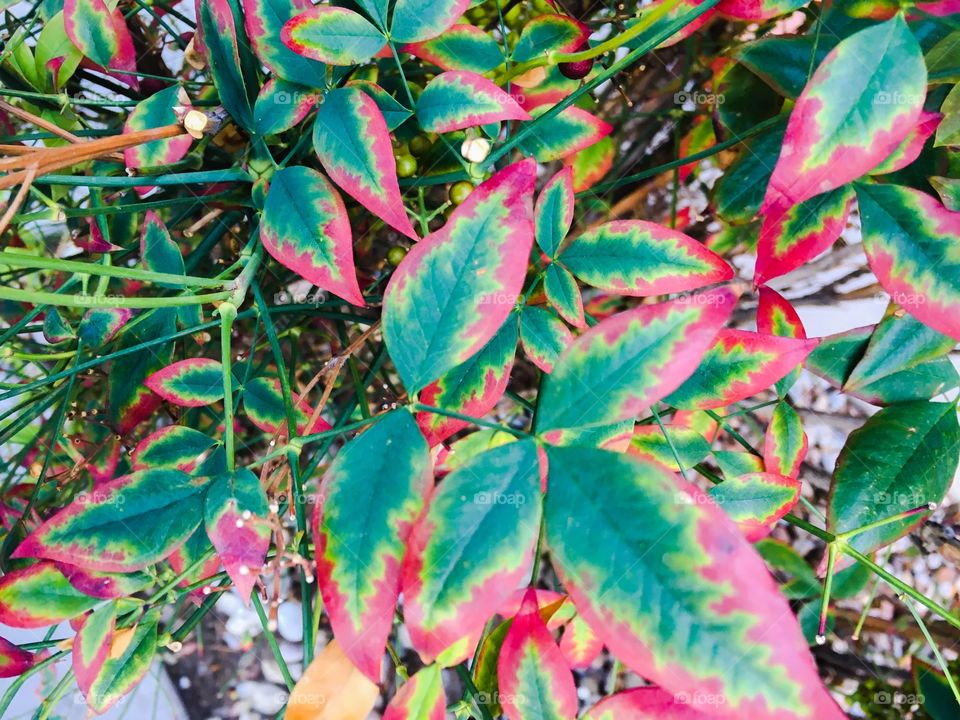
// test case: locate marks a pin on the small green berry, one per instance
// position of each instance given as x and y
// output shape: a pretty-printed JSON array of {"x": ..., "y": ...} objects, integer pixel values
[
  {"x": 396, "y": 254},
  {"x": 406, "y": 166},
  {"x": 420, "y": 145},
  {"x": 460, "y": 191}
]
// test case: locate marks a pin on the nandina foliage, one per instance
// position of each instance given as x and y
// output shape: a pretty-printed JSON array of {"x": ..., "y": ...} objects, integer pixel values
[{"x": 372, "y": 294}]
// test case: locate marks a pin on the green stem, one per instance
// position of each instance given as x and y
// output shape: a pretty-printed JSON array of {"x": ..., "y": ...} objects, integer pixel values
[
  {"x": 827, "y": 588},
  {"x": 420, "y": 407},
  {"x": 114, "y": 301},
  {"x": 188, "y": 178},
  {"x": 15, "y": 259},
  {"x": 927, "y": 507},
  {"x": 228, "y": 313},
  {"x": 272, "y": 642}
]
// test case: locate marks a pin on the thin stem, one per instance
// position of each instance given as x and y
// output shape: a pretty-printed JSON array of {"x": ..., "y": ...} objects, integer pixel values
[
  {"x": 925, "y": 508},
  {"x": 272, "y": 642},
  {"x": 37, "y": 262},
  {"x": 228, "y": 313},
  {"x": 933, "y": 647},
  {"x": 114, "y": 301},
  {"x": 827, "y": 588}
]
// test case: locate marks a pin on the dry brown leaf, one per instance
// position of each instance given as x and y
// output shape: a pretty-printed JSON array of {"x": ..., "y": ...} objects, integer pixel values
[{"x": 332, "y": 689}]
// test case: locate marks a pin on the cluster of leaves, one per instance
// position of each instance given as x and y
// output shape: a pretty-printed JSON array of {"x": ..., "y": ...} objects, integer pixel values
[{"x": 527, "y": 385}]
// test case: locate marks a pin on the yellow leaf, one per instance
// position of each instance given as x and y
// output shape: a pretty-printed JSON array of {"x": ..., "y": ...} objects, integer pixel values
[
  {"x": 332, "y": 689},
  {"x": 121, "y": 641}
]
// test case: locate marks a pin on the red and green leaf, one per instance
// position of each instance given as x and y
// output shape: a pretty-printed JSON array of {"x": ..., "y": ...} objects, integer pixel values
[
  {"x": 472, "y": 388},
  {"x": 910, "y": 241},
  {"x": 902, "y": 458},
  {"x": 776, "y": 316},
  {"x": 544, "y": 336},
  {"x": 235, "y": 509},
  {"x": 127, "y": 524},
  {"x": 91, "y": 645},
  {"x": 420, "y": 698},
  {"x": 263, "y": 405},
  {"x": 579, "y": 644},
  {"x": 549, "y": 33},
  {"x": 471, "y": 549},
  {"x": 153, "y": 112},
  {"x": 591, "y": 164},
  {"x": 158, "y": 251},
  {"x": 564, "y": 133},
  {"x": 56, "y": 328},
  {"x": 104, "y": 585},
  {"x": 758, "y": 9},
  {"x": 789, "y": 239},
  {"x": 630, "y": 360},
  {"x": 640, "y": 258},
  {"x": 645, "y": 703},
  {"x": 264, "y": 21},
  {"x": 456, "y": 287},
  {"x": 174, "y": 446},
  {"x": 665, "y": 445},
  {"x": 89, "y": 25},
  {"x": 534, "y": 679},
  {"x": 100, "y": 325},
  {"x": 332, "y": 35},
  {"x": 863, "y": 100},
  {"x": 13, "y": 660},
  {"x": 459, "y": 99},
  {"x": 131, "y": 655},
  {"x": 911, "y": 147},
  {"x": 38, "y": 596},
  {"x": 756, "y": 501},
  {"x": 305, "y": 228},
  {"x": 564, "y": 294},
  {"x": 948, "y": 189},
  {"x": 785, "y": 443},
  {"x": 129, "y": 401},
  {"x": 738, "y": 365},
  {"x": 733, "y": 463},
  {"x": 394, "y": 112},
  {"x": 723, "y": 636},
  {"x": 553, "y": 213},
  {"x": 219, "y": 21},
  {"x": 351, "y": 138},
  {"x": 194, "y": 382},
  {"x": 282, "y": 105},
  {"x": 370, "y": 498},
  {"x": 462, "y": 47},
  {"x": 418, "y": 20}
]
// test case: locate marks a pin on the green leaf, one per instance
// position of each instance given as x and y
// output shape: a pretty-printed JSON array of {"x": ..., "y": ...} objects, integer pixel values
[
  {"x": 949, "y": 191},
  {"x": 553, "y": 213},
  {"x": 153, "y": 112},
  {"x": 783, "y": 62},
  {"x": 419, "y": 20},
  {"x": 680, "y": 598},
  {"x": 126, "y": 524},
  {"x": 305, "y": 227},
  {"x": 630, "y": 360},
  {"x": 739, "y": 192},
  {"x": 219, "y": 24},
  {"x": 665, "y": 445},
  {"x": 394, "y": 112},
  {"x": 785, "y": 442},
  {"x": 332, "y": 35},
  {"x": 898, "y": 343},
  {"x": 948, "y": 132},
  {"x": 457, "y": 286},
  {"x": 910, "y": 241},
  {"x": 174, "y": 446},
  {"x": 281, "y": 105},
  {"x": 564, "y": 294},
  {"x": 39, "y": 595},
  {"x": 733, "y": 463},
  {"x": 902, "y": 458},
  {"x": 544, "y": 336},
  {"x": 471, "y": 549},
  {"x": 938, "y": 698},
  {"x": 371, "y": 496}
]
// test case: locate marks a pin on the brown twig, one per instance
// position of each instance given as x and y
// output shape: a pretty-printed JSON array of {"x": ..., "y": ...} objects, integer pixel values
[{"x": 17, "y": 201}]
